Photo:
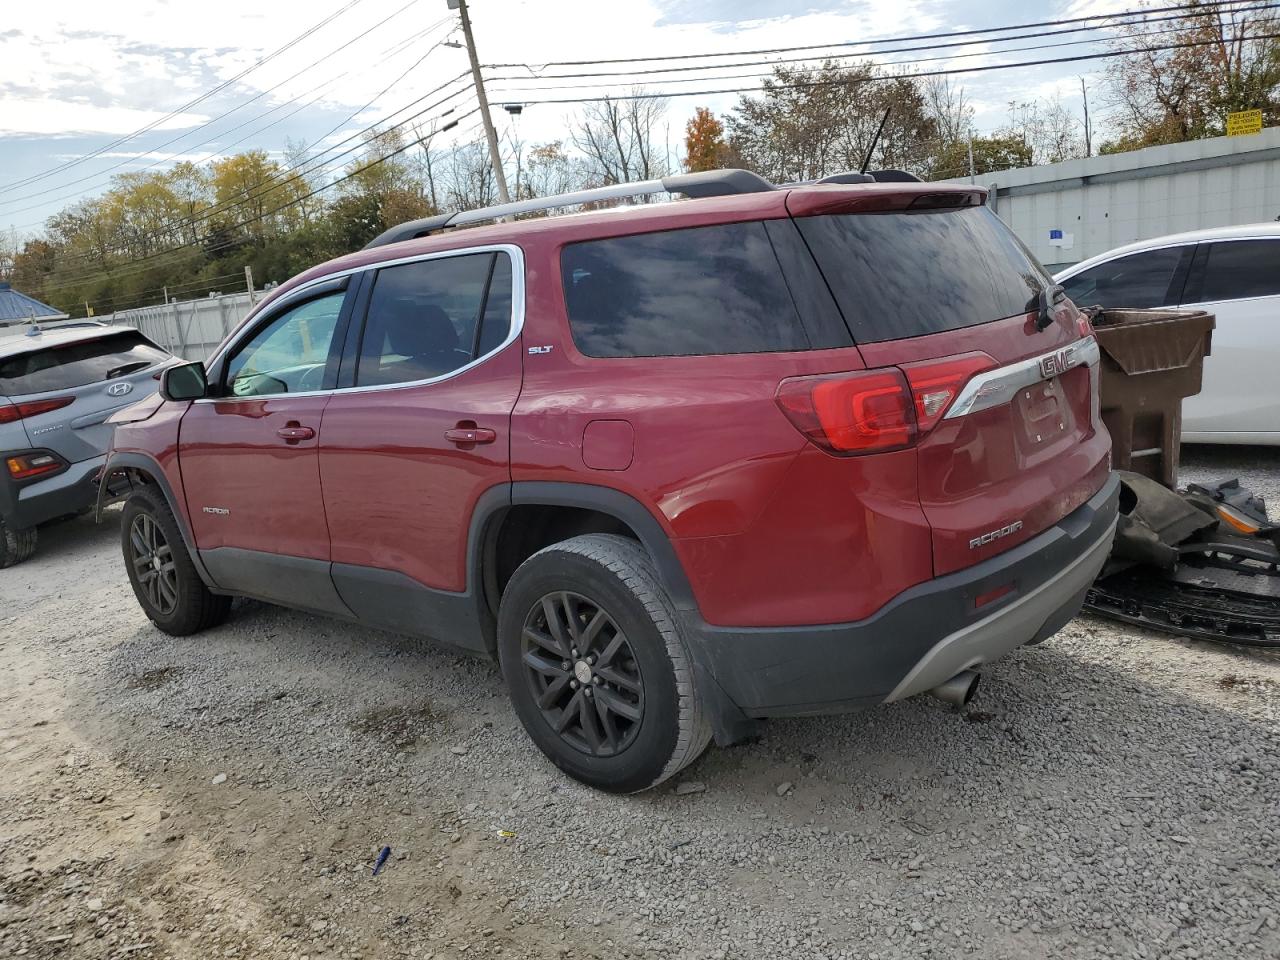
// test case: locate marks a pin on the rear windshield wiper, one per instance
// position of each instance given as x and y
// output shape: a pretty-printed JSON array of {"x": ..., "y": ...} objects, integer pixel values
[
  {"x": 1050, "y": 296},
  {"x": 124, "y": 368}
]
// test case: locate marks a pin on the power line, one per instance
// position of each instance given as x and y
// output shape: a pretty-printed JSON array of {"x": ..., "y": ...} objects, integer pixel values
[
  {"x": 189, "y": 104},
  {"x": 1206, "y": 6},
  {"x": 288, "y": 175},
  {"x": 253, "y": 133},
  {"x": 160, "y": 258},
  {"x": 539, "y": 77},
  {"x": 328, "y": 186},
  {"x": 925, "y": 73},
  {"x": 875, "y": 63},
  {"x": 221, "y": 116}
]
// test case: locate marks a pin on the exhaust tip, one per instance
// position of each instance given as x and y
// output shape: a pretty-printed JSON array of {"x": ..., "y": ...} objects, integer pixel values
[{"x": 959, "y": 690}]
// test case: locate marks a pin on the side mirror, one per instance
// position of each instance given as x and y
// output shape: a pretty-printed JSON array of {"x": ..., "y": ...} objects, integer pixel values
[{"x": 186, "y": 381}]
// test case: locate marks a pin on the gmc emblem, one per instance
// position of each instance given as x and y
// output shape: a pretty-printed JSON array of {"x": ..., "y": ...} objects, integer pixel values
[{"x": 1056, "y": 363}]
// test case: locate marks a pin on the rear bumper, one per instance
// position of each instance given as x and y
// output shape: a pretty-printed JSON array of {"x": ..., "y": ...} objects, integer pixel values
[
  {"x": 920, "y": 639},
  {"x": 67, "y": 492}
]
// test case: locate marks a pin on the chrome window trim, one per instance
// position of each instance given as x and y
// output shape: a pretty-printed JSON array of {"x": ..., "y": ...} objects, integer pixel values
[
  {"x": 996, "y": 387},
  {"x": 517, "y": 320}
]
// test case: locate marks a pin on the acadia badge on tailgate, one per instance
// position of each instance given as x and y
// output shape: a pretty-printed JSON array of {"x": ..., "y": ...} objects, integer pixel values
[{"x": 995, "y": 535}]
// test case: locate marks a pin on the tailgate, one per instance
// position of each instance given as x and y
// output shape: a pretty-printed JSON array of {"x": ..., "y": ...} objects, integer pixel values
[
  {"x": 1030, "y": 451},
  {"x": 1020, "y": 445}
]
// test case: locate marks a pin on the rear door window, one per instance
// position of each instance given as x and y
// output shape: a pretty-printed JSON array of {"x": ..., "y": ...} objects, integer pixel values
[
  {"x": 912, "y": 273},
  {"x": 432, "y": 317},
  {"x": 694, "y": 292},
  {"x": 1139, "y": 281},
  {"x": 68, "y": 365},
  {"x": 1236, "y": 270}
]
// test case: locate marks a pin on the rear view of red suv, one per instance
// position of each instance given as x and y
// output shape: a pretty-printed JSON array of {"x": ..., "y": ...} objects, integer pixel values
[{"x": 678, "y": 467}]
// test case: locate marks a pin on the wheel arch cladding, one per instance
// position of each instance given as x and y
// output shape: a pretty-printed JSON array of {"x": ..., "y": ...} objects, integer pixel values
[
  {"x": 151, "y": 469},
  {"x": 628, "y": 511}
]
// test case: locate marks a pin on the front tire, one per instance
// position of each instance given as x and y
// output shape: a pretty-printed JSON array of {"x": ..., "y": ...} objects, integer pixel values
[
  {"x": 164, "y": 579},
  {"x": 597, "y": 668}
]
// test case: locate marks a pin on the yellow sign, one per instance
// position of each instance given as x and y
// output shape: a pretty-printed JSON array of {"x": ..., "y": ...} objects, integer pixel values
[{"x": 1246, "y": 121}]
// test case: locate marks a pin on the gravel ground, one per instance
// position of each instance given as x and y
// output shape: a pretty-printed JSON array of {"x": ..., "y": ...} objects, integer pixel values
[{"x": 1112, "y": 793}]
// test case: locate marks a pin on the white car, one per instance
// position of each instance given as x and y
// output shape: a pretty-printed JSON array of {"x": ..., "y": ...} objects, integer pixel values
[{"x": 1232, "y": 272}]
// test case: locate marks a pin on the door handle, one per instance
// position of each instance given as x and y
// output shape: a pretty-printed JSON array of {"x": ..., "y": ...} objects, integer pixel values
[
  {"x": 469, "y": 436},
  {"x": 293, "y": 432}
]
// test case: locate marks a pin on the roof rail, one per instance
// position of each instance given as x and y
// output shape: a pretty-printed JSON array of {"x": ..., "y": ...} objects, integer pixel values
[{"x": 707, "y": 183}]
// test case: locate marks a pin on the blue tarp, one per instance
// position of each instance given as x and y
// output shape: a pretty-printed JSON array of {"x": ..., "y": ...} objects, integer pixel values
[{"x": 18, "y": 306}]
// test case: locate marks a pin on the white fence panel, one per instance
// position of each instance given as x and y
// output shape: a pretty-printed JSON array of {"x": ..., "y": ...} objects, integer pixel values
[{"x": 191, "y": 328}]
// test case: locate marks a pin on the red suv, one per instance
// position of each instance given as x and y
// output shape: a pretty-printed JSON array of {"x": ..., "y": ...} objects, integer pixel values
[{"x": 768, "y": 451}]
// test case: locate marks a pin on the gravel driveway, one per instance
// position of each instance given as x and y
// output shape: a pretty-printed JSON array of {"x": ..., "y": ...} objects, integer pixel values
[{"x": 1112, "y": 793}]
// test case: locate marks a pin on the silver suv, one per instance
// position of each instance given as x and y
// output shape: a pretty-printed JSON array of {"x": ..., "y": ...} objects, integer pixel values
[{"x": 57, "y": 389}]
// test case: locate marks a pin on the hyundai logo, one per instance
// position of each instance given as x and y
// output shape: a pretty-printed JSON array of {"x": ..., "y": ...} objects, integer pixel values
[{"x": 120, "y": 389}]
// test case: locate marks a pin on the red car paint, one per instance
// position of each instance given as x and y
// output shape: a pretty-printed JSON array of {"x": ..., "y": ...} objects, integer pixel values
[{"x": 770, "y": 530}]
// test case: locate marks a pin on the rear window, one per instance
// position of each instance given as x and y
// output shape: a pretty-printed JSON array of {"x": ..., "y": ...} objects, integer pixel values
[
  {"x": 698, "y": 291},
  {"x": 70, "y": 365},
  {"x": 908, "y": 274}
]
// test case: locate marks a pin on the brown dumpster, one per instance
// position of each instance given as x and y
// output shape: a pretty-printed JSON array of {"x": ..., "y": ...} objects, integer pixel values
[{"x": 1151, "y": 360}]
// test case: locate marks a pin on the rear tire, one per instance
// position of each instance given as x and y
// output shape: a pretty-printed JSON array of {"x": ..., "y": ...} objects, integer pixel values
[
  {"x": 15, "y": 545},
  {"x": 597, "y": 668},
  {"x": 164, "y": 579}
]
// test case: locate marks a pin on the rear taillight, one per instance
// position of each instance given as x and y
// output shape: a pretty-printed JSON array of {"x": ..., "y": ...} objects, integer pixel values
[
  {"x": 20, "y": 411},
  {"x": 873, "y": 411},
  {"x": 935, "y": 384},
  {"x": 24, "y": 466},
  {"x": 851, "y": 413}
]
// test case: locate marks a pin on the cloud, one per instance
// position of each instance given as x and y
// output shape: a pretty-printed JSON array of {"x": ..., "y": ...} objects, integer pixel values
[{"x": 61, "y": 118}]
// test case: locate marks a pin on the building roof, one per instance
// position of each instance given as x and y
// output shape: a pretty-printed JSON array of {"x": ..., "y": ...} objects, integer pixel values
[{"x": 17, "y": 307}]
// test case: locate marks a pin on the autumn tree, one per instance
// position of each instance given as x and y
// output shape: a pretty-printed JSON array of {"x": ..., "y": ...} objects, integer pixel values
[
  {"x": 705, "y": 146},
  {"x": 1174, "y": 95},
  {"x": 991, "y": 154}
]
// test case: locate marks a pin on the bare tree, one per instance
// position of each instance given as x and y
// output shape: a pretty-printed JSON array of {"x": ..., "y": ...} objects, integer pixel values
[
  {"x": 1051, "y": 131},
  {"x": 620, "y": 138},
  {"x": 949, "y": 108},
  {"x": 467, "y": 177}
]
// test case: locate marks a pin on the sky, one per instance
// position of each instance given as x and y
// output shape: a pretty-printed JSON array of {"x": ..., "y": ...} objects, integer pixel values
[{"x": 95, "y": 88}]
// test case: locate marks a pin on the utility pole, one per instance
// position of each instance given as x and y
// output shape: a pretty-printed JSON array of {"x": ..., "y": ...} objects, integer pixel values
[
  {"x": 248, "y": 282},
  {"x": 972, "y": 177},
  {"x": 494, "y": 156},
  {"x": 1088, "y": 134}
]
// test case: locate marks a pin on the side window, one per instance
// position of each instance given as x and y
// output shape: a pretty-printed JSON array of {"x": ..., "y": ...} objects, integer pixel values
[
  {"x": 429, "y": 318},
  {"x": 698, "y": 291},
  {"x": 497, "y": 307},
  {"x": 1239, "y": 269},
  {"x": 289, "y": 354},
  {"x": 1140, "y": 280}
]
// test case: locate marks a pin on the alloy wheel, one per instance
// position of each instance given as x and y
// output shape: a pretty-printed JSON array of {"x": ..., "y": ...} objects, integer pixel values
[
  {"x": 153, "y": 564},
  {"x": 583, "y": 673}
]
